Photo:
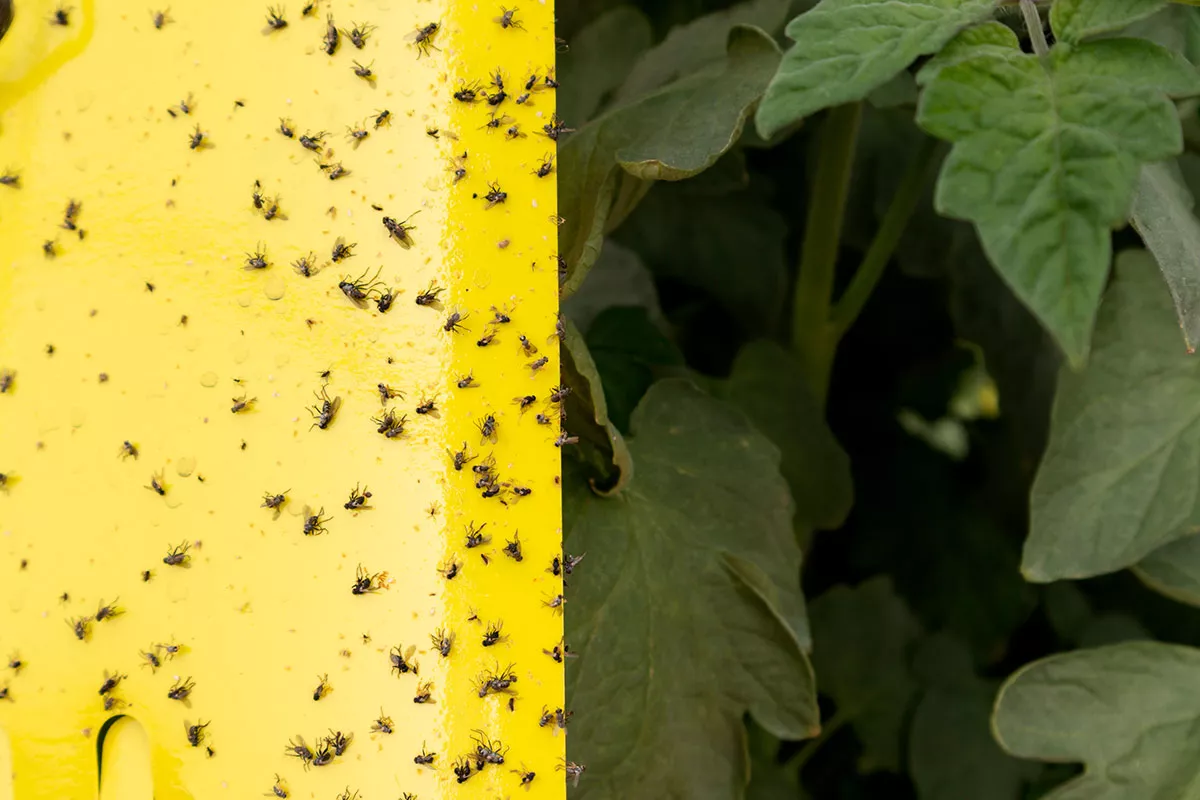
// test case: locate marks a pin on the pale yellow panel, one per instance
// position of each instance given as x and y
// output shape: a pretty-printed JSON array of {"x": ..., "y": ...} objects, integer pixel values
[{"x": 147, "y": 323}]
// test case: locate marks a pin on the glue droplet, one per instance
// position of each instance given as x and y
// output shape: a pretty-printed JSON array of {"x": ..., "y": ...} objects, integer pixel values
[
  {"x": 275, "y": 288},
  {"x": 208, "y": 380}
]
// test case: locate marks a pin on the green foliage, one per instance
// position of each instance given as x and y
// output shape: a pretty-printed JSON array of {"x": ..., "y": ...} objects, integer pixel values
[
  {"x": 846, "y": 48},
  {"x": 1128, "y": 712},
  {"x": 717, "y": 626},
  {"x": 1046, "y": 157},
  {"x": 773, "y": 338}
]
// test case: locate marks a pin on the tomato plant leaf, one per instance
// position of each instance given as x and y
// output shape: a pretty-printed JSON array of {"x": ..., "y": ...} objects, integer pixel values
[
  {"x": 1075, "y": 20},
  {"x": 701, "y": 238},
  {"x": 670, "y": 134},
  {"x": 843, "y": 49},
  {"x": 618, "y": 278},
  {"x": 768, "y": 385},
  {"x": 1162, "y": 215},
  {"x": 600, "y": 57},
  {"x": 697, "y": 44},
  {"x": 601, "y": 445},
  {"x": 693, "y": 615},
  {"x": 951, "y": 752},
  {"x": 631, "y": 353},
  {"x": 1174, "y": 570},
  {"x": 1046, "y": 156},
  {"x": 865, "y": 635},
  {"x": 1128, "y": 712},
  {"x": 1119, "y": 475}
]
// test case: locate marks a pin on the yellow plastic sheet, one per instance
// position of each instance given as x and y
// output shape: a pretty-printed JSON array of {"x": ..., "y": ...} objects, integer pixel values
[{"x": 165, "y": 630}]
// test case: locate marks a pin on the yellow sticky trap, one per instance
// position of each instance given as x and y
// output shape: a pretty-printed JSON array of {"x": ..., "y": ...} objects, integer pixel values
[{"x": 182, "y": 341}]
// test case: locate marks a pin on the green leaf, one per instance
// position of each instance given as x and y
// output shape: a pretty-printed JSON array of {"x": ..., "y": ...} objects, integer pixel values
[
  {"x": 630, "y": 352},
  {"x": 685, "y": 232},
  {"x": 688, "y": 613},
  {"x": 1046, "y": 156},
  {"x": 676, "y": 132},
  {"x": 696, "y": 45},
  {"x": 1129, "y": 712},
  {"x": 1162, "y": 215},
  {"x": 864, "y": 635},
  {"x": 618, "y": 278},
  {"x": 600, "y": 57},
  {"x": 601, "y": 444},
  {"x": 1175, "y": 27},
  {"x": 1174, "y": 570},
  {"x": 1075, "y": 20},
  {"x": 846, "y": 48},
  {"x": 951, "y": 752},
  {"x": 1119, "y": 476},
  {"x": 768, "y": 385}
]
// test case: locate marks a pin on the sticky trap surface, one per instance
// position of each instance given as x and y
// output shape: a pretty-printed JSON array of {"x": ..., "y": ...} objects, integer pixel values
[{"x": 203, "y": 218}]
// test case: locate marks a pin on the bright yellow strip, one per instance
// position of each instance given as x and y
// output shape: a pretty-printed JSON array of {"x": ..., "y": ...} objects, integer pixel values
[{"x": 145, "y": 325}]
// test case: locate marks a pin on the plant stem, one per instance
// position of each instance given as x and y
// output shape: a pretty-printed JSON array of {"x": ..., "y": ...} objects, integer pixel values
[
  {"x": 883, "y": 246},
  {"x": 1033, "y": 24},
  {"x": 812, "y": 335}
]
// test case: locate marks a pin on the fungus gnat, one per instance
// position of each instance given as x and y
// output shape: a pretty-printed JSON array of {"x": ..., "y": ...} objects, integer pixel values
[
  {"x": 314, "y": 523},
  {"x": 160, "y": 18},
  {"x": 358, "y": 499},
  {"x": 400, "y": 659},
  {"x": 242, "y": 403},
  {"x": 493, "y": 633},
  {"x": 110, "y": 682},
  {"x": 363, "y": 71},
  {"x": 385, "y": 300},
  {"x": 357, "y": 135},
  {"x": 427, "y": 407},
  {"x": 358, "y": 34},
  {"x": 449, "y": 569},
  {"x": 298, "y": 748},
  {"x": 61, "y": 15},
  {"x": 535, "y": 366},
  {"x": 573, "y": 771},
  {"x": 257, "y": 259},
  {"x": 462, "y": 769},
  {"x": 512, "y": 548},
  {"x": 466, "y": 92},
  {"x": 178, "y": 556},
  {"x": 475, "y": 535},
  {"x": 195, "y": 733},
  {"x": 279, "y": 788},
  {"x": 128, "y": 448},
  {"x": 81, "y": 627},
  {"x": 495, "y": 122},
  {"x": 306, "y": 265},
  {"x": 389, "y": 425},
  {"x": 486, "y": 339},
  {"x": 546, "y": 167},
  {"x": 323, "y": 687},
  {"x": 156, "y": 485},
  {"x": 424, "y": 692},
  {"x": 181, "y": 690},
  {"x": 332, "y": 38},
  {"x": 383, "y": 724},
  {"x": 339, "y": 743},
  {"x": 398, "y": 230},
  {"x": 358, "y": 289},
  {"x": 555, "y": 128},
  {"x": 424, "y": 758},
  {"x": 453, "y": 323},
  {"x": 505, "y": 20},
  {"x": 275, "y": 20},
  {"x": 334, "y": 170},
  {"x": 313, "y": 141},
  {"x": 387, "y": 393},
  {"x": 10, "y": 179},
  {"x": 108, "y": 611},
  {"x": 429, "y": 297},
  {"x": 487, "y": 428},
  {"x": 341, "y": 250},
  {"x": 198, "y": 139},
  {"x": 285, "y": 127},
  {"x": 383, "y": 118},
  {"x": 466, "y": 381},
  {"x": 495, "y": 195},
  {"x": 423, "y": 38}
]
